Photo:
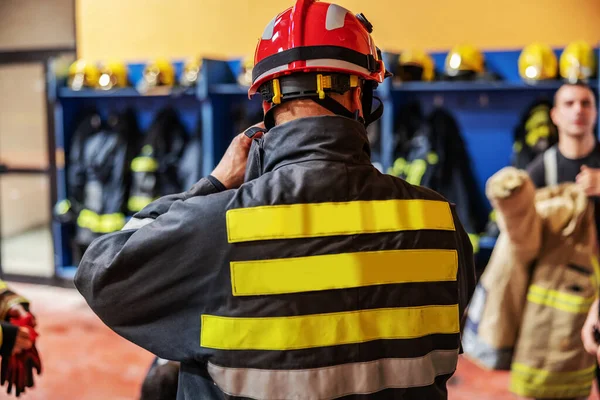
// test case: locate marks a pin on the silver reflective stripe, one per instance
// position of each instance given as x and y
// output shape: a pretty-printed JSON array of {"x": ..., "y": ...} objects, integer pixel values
[
  {"x": 336, "y": 17},
  {"x": 272, "y": 71},
  {"x": 327, "y": 62},
  {"x": 336, "y": 381},
  {"x": 136, "y": 223},
  {"x": 550, "y": 166},
  {"x": 268, "y": 32}
]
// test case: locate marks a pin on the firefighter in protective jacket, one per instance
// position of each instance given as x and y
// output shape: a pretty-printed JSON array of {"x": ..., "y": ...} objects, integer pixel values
[{"x": 295, "y": 270}]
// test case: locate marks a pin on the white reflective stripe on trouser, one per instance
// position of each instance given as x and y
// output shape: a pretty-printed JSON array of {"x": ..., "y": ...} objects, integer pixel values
[{"x": 336, "y": 381}]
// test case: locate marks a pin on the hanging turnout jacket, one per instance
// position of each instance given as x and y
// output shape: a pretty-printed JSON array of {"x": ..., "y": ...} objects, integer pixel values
[
  {"x": 102, "y": 177},
  {"x": 534, "y": 134},
  {"x": 437, "y": 159},
  {"x": 155, "y": 169},
  {"x": 67, "y": 209},
  {"x": 318, "y": 278},
  {"x": 533, "y": 297}
]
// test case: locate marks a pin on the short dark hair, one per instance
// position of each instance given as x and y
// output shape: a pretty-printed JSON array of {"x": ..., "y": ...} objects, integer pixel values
[{"x": 579, "y": 83}]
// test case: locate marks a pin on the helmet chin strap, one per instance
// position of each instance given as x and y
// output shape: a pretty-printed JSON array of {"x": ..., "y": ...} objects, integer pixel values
[{"x": 338, "y": 109}]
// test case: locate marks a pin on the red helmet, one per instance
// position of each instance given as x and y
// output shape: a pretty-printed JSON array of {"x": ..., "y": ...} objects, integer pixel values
[{"x": 316, "y": 37}]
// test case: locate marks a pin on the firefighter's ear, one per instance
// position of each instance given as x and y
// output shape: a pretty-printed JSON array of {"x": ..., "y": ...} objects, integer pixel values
[{"x": 356, "y": 99}]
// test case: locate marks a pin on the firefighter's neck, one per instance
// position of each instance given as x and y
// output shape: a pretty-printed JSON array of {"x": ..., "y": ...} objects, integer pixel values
[
  {"x": 302, "y": 108},
  {"x": 575, "y": 147}
]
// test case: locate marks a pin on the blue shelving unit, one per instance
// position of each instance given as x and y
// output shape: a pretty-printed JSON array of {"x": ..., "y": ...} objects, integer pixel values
[{"x": 487, "y": 113}]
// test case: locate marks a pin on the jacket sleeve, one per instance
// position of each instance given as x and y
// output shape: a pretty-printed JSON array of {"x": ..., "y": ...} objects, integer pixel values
[
  {"x": 466, "y": 276},
  {"x": 512, "y": 195},
  {"x": 8, "y": 298},
  {"x": 148, "y": 282}
]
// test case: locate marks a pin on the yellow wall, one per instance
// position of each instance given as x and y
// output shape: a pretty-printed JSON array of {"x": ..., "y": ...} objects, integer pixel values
[{"x": 136, "y": 30}]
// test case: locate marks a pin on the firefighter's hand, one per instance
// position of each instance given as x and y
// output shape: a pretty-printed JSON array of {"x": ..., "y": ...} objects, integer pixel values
[
  {"x": 589, "y": 179},
  {"x": 587, "y": 332},
  {"x": 232, "y": 167}
]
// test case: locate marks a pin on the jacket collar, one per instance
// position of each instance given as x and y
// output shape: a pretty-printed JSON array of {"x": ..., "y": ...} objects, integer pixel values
[{"x": 330, "y": 138}]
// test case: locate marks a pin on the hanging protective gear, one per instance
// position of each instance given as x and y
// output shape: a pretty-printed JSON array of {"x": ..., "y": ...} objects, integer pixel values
[
  {"x": 464, "y": 62},
  {"x": 537, "y": 62},
  {"x": 534, "y": 134},
  {"x": 578, "y": 62},
  {"x": 315, "y": 48},
  {"x": 83, "y": 74},
  {"x": 105, "y": 158},
  {"x": 154, "y": 170},
  {"x": 436, "y": 157},
  {"x": 191, "y": 72},
  {"x": 415, "y": 65},
  {"x": 113, "y": 74}
]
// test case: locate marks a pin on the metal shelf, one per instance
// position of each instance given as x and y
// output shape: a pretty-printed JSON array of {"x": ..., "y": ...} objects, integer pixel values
[{"x": 478, "y": 86}]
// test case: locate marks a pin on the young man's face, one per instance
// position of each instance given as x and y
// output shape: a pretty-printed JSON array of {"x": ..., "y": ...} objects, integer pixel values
[{"x": 574, "y": 111}]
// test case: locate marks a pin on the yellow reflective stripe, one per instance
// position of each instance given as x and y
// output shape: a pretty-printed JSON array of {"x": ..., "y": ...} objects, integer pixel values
[
  {"x": 339, "y": 271},
  {"x": 562, "y": 301},
  {"x": 522, "y": 388},
  {"x": 144, "y": 164},
  {"x": 63, "y": 207},
  {"x": 530, "y": 382},
  {"x": 137, "y": 203},
  {"x": 105, "y": 223},
  {"x": 564, "y": 297},
  {"x": 398, "y": 168},
  {"x": 331, "y": 219},
  {"x": 111, "y": 222},
  {"x": 307, "y": 331},
  {"x": 539, "y": 376},
  {"x": 3, "y": 285},
  {"x": 87, "y": 219},
  {"x": 432, "y": 158},
  {"x": 416, "y": 171}
]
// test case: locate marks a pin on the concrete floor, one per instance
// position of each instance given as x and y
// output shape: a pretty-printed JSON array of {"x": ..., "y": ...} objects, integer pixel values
[{"x": 84, "y": 360}]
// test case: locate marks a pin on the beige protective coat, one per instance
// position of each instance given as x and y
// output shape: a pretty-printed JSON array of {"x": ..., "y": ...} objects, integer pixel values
[{"x": 532, "y": 299}]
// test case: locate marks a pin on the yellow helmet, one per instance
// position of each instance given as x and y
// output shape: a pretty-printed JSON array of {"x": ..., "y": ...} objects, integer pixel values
[
  {"x": 160, "y": 72},
  {"x": 113, "y": 74},
  {"x": 464, "y": 60},
  {"x": 416, "y": 65},
  {"x": 245, "y": 76},
  {"x": 537, "y": 61},
  {"x": 191, "y": 72},
  {"x": 82, "y": 74},
  {"x": 577, "y": 61}
]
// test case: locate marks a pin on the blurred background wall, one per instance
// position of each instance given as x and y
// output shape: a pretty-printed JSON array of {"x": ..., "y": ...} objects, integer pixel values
[{"x": 142, "y": 29}]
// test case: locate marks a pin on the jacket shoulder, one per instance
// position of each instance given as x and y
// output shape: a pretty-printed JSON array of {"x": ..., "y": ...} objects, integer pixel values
[{"x": 418, "y": 192}]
